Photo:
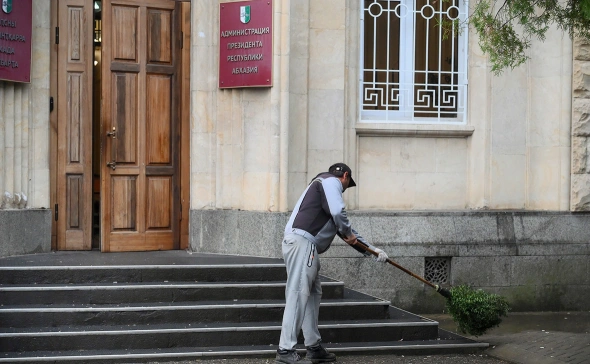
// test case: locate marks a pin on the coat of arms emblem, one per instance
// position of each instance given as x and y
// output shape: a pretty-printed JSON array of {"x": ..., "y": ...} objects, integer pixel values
[
  {"x": 7, "y": 6},
  {"x": 245, "y": 14}
]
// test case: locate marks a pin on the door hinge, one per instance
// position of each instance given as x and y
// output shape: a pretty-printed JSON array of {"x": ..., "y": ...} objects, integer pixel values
[
  {"x": 56, "y": 212},
  {"x": 180, "y": 211},
  {"x": 181, "y": 40},
  {"x": 56, "y": 35},
  {"x": 50, "y": 103}
]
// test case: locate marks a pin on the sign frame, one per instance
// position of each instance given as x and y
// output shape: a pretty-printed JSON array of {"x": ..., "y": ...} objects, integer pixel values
[
  {"x": 16, "y": 42},
  {"x": 245, "y": 44}
]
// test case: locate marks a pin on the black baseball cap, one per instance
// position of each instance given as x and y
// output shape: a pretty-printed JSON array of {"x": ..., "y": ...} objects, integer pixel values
[{"x": 341, "y": 167}]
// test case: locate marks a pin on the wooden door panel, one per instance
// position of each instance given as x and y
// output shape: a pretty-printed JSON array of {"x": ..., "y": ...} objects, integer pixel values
[
  {"x": 160, "y": 240},
  {"x": 75, "y": 201},
  {"x": 124, "y": 39},
  {"x": 159, "y": 119},
  {"x": 124, "y": 203},
  {"x": 127, "y": 241},
  {"x": 75, "y": 210},
  {"x": 159, "y": 203},
  {"x": 77, "y": 47},
  {"x": 159, "y": 28},
  {"x": 141, "y": 204},
  {"x": 74, "y": 119},
  {"x": 123, "y": 242},
  {"x": 124, "y": 118},
  {"x": 74, "y": 125}
]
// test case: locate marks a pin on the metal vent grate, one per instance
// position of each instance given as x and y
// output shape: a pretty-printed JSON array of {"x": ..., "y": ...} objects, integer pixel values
[{"x": 437, "y": 270}]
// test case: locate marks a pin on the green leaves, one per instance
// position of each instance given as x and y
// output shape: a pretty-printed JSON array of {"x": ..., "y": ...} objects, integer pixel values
[
  {"x": 585, "y": 8},
  {"x": 475, "y": 311},
  {"x": 506, "y": 28}
]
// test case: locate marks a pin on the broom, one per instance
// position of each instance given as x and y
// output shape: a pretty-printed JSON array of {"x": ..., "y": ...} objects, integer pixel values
[{"x": 474, "y": 311}]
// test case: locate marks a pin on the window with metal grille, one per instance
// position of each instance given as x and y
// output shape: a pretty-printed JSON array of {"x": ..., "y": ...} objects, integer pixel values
[
  {"x": 437, "y": 270},
  {"x": 411, "y": 72}
]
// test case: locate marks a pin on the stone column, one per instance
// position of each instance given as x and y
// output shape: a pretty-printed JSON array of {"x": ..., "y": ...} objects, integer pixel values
[{"x": 580, "y": 185}]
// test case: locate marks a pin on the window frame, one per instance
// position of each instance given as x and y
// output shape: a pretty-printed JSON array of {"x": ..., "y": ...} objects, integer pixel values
[{"x": 407, "y": 41}]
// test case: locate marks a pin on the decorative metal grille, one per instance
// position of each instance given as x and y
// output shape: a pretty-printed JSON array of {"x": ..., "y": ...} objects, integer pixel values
[
  {"x": 437, "y": 270},
  {"x": 411, "y": 72}
]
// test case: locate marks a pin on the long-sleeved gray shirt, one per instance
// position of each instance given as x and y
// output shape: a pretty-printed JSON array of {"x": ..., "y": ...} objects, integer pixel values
[{"x": 320, "y": 213}]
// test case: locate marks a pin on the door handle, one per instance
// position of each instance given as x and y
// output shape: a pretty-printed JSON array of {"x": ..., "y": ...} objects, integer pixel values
[
  {"x": 112, "y": 164},
  {"x": 113, "y": 133}
]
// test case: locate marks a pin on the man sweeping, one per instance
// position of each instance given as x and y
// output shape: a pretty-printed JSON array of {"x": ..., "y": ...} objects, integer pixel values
[{"x": 318, "y": 216}]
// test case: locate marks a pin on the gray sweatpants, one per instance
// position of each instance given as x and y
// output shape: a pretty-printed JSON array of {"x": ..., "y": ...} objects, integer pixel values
[{"x": 303, "y": 292}]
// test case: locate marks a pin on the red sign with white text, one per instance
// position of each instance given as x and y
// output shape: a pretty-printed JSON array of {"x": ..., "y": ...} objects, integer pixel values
[
  {"x": 245, "y": 44},
  {"x": 15, "y": 40}
]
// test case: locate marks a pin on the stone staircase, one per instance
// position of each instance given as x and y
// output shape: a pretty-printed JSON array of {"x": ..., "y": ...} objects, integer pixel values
[{"x": 162, "y": 306}]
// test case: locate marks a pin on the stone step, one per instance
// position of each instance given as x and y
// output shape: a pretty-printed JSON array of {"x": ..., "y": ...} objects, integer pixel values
[
  {"x": 210, "y": 335},
  {"x": 442, "y": 345},
  {"x": 167, "y": 306},
  {"x": 23, "y": 275},
  {"x": 116, "y": 292},
  {"x": 179, "y": 312}
]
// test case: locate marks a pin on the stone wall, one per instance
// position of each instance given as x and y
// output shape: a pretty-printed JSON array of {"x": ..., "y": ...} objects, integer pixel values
[
  {"x": 25, "y": 232},
  {"x": 580, "y": 190},
  {"x": 257, "y": 148},
  {"x": 538, "y": 260}
]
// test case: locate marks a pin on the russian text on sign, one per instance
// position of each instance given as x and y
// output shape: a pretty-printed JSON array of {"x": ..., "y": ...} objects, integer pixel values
[
  {"x": 245, "y": 57},
  {"x": 12, "y": 37},
  {"x": 243, "y": 32},
  {"x": 245, "y": 45},
  {"x": 7, "y": 23},
  {"x": 11, "y": 64},
  {"x": 242, "y": 70},
  {"x": 6, "y": 50}
]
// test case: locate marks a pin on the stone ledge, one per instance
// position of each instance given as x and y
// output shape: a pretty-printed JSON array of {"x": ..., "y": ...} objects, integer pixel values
[
  {"x": 25, "y": 231},
  {"x": 414, "y": 130},
  {"x": 245, "y": 232},
  {"x": 538, "y": 259}
]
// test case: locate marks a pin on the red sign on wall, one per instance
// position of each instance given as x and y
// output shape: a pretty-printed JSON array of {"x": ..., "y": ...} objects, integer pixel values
[
  {"x": 15, "y": 40},
  {"x": 245, "y": 44}
]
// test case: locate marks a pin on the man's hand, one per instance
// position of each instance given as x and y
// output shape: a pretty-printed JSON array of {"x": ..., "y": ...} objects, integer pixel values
[
  {"x": 382, "y": 257},
  {"x": 350, "y": 240}
]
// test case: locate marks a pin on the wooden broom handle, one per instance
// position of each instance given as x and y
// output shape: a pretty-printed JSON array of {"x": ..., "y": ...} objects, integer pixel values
[{"x": 357, "y": 244}]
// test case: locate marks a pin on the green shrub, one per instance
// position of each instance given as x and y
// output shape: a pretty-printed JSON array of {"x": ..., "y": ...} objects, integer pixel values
[{"x": 475, "y": 311}]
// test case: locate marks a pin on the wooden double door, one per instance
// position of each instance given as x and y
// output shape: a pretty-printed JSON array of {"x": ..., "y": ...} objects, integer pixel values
[{"x": 140, "y": 120}]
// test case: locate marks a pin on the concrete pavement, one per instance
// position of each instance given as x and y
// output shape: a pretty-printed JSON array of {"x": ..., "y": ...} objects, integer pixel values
[
  {"x": 542, "y": 338},
  {"x": 536, "y": 338}
]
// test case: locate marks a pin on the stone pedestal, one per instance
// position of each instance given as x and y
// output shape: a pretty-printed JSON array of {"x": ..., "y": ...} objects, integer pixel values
[{"x": 25, "y": 231}]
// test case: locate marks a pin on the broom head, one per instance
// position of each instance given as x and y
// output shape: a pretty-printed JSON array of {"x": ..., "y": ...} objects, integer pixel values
[{"x": 475, "y": 311}]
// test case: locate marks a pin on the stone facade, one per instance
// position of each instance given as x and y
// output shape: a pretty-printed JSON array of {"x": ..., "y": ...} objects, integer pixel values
[
  {"x": 580, "y": 180},
  {"x": 24, "y": 125},
  {"x": 525, "y": 147},
  {"x": 255, "y": 149},
  {"x": 25, "y": 221}
]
